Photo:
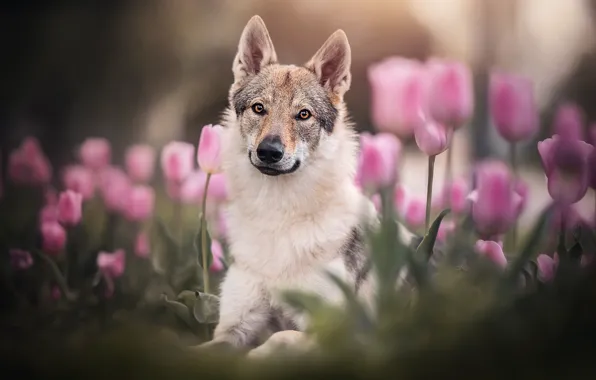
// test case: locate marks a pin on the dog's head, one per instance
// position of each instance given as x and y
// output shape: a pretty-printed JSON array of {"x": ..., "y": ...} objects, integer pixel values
[{"x": 285, "y": 113}]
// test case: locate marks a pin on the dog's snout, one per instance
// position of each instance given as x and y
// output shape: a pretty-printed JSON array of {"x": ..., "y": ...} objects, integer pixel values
[{"x": 270, "y": 150}]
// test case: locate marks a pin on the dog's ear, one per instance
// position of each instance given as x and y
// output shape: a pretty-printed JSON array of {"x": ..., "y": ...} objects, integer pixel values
[
  {"x": 255, "y": 50},
  {"x": 331, "y": 64}
]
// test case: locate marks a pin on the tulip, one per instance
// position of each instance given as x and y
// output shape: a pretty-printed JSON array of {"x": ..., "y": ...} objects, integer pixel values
[
  {"x": 398, "y": 88},
  {"x": 495, "y": 203},
  {"x": 513, "y": 107},
  {"x": 547, "y": 267},
  {"x": 410, "y": 208},
  {"x": 451, "y": 95},
  {"x": 111, "y": 264},
  {"x": 217, "y": 253},
  {"x": 142, "y": 246},
  {"x": 95, "y": 153},
  {"x": 140, "y": 162},
  {"x": 27, "y": 165},
  {"x": 492, "y": 251},
  {"x": 454, "y": 196},
  {"x": 140, "y": 203},
  {"x": 53, "y": 237},
  {"x": 114, "y": 186},
  {"x": 70, "y": 208},
  {"x": 49, "y": 213},
  {"x": 80, "y": 179},
  {"x": 20, "y": 259},
  {"x": 378, "y": 160},
  {"x": 209, "y": 150},
  {"x": 191, "y": 190},
  {"x": 569, "y": 122},
  {"x": 432, "y": 138},
  {"x": 177, "y": 160},
  {"x": 565, "y": 163}
]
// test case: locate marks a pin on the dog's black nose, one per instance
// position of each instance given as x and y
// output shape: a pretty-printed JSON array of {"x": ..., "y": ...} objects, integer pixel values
[{"x": 270, "y": 150}]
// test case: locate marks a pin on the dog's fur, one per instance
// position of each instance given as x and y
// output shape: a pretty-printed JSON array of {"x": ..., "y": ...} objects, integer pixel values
[{"x": 290, "y": 220}]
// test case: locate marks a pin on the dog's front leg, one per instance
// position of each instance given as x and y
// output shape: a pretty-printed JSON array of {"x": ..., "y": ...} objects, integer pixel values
[{"x": 244, "y": 310}]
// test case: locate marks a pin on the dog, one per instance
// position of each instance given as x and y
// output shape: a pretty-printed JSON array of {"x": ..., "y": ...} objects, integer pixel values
[{"x": 290, "y": 156}]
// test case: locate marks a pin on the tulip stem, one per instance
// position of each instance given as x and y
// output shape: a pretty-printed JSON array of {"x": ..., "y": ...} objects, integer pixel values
[
  {"x": 512, "y": 238},
  {"x": 204, "y": 237},
  {"x": 429, "y": 189}
]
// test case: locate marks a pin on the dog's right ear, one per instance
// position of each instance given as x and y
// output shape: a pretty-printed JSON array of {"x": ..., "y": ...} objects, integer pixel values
[{"x": 255, "y": 50}]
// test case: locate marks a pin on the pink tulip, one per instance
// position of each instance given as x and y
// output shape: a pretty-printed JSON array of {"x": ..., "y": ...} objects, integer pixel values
[
  {"x": 140, "y": 203},
  {"x": 209, "y": 150},
  {"x": 432, "y": 138},
  {"x": 494, "y": 202},
  {"x": 378, "y": 160},
  {"x": 411, "y": 208},
  {"x": 192, "y": 189},
  {"x": 49, "y": 213},
  {"x": 112, "y": 264},
  {"x": 142, "y": 246},
  {"x": 95, "y": 153},
  {"x": 70, "y": 208},
  {"x": 140, "y": 162},
  {"x": 446, "y": 229},
  {"x": 398, "y": 88},
  {"x": 547, "y": 267},
  {"x": 492, "y": 251},
  {"x": 217, "y": 253},
  {"x": 456, "y": 193},
  {"x": 27, "y": 165},
  {"x": 53, "y": 237},
  {"x": 80, "y": 179},
  {"x": 512, "y": 106},
  {"x": 569, "y": 122},
  {"x": 565, "y": 163},
  {"x": 451, "y": 97},
  {"x": 177, "y": 160},
  {"x": 114, "y": 186},
  {"x": 20, "y": 259}
]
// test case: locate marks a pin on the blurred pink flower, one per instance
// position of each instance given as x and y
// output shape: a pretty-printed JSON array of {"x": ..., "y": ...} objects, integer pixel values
[
  {"x": 454, "y": 195},
  {"x": 53, "y": 237},
  {"x": 217, "y": 253},
  {"x": 209, "y": 150},
  {"x": 140, "y": 203},
  {"x": 49, "y": 213},
  {"x": 492, "y": 251},
  {"x": 51, "y": 196},
  {"x": 140, "y": 162},
  {"x": 142, "y": 247},
  {"x": 410, "y": 207},
  {"x": 512, "y": 106},
  {"x": 547, "y": 267},
  {"x": 569, "y": 122},
  {"x": 191, "y": 190},
  {"x": 451, "y": 98},
  {"x": 80, "y": 179},
  {"x": 177, "y": 160},
  {"x": 27, "y": 165},
  {"x": 112, "y": 264},
  {"x": 95, "y": 153},
  {"x": 565, "y": 162},
  {"x": 494, "y": 202},
  {"x": 446, "y": 229},
  {"x": 378, "y": 160},
  {"x": 20, "y": 259},
  {"x": 432, "y": 137},
  {"x": 397, "y": 94},
  {"x": 70, "y": 208},
  {"x": 114, "y": 186}
]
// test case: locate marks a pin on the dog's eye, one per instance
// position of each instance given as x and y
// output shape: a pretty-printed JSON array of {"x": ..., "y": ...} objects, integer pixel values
[
  {"x": 304, "y": 115},
  {"x": 258, "y": 108}
]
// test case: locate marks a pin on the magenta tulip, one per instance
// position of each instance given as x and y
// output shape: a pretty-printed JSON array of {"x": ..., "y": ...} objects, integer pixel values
[
  {"x": 209, "y": 150},
  {"x": 547, "y": 267},
  {"x": 70, "y": 206},
  {"x": 398, "y": 88},
  {"x": 114, "y": 186},
  {"x": 451, "y": 94},
  {"x": 378, "y": 160},
  {"x": 493, "y": 251},
  {"x": 177, "y": 160},
  {"x": 95, "y": 153},
  {"x": 80, "y": 179},
  {"x": 53, "y": 237},
  {"x": 432, "y": 138},
  {"x": 140, "y": 162},
  {"x": 48, "y": 213},
  {"x": 112, "y": 264},
  {"x": 140, "y": 203},
  {"x": 142, "y": 246},
  {"x": 513, "y": 107}
]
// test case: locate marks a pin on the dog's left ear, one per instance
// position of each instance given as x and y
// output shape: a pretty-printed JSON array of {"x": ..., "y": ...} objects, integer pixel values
[{"x": 331, "y": 64}]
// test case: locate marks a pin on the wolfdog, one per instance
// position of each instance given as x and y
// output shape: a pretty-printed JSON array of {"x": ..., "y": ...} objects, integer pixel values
[{"x": 290, "y": 156}]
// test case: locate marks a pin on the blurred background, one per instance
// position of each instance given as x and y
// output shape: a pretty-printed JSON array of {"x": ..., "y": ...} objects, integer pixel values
[{"x": 157, "y": 70}]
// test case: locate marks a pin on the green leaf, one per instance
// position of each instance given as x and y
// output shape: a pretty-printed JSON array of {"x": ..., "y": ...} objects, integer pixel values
[
  {"x": 426, "y": 247},
  {"x": 303, "y": 302},
  {"x": 530, "y": 247},
  {"x": 180, "y": 310},
  {"x": 198, "y": 245},
  {"x": 206, "y": 308},
  {"x": 356, "y": 308}
]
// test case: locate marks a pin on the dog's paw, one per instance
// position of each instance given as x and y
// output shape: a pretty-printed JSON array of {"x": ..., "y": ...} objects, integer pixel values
[{"x": 293, "y": 340}]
